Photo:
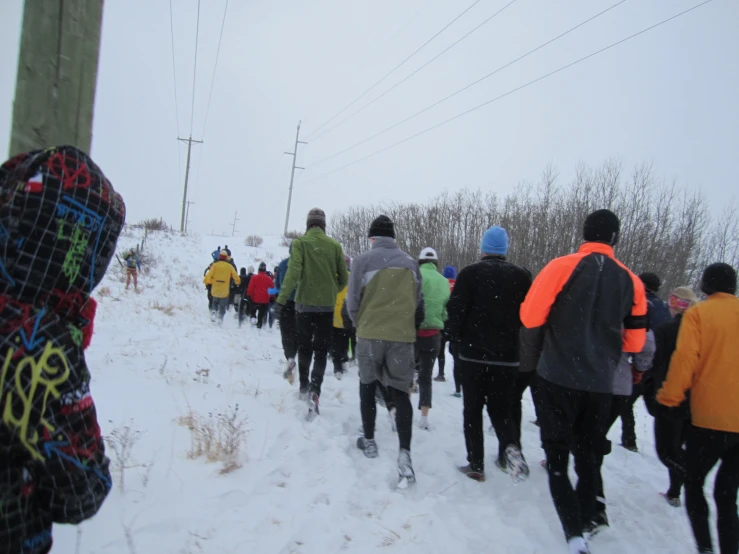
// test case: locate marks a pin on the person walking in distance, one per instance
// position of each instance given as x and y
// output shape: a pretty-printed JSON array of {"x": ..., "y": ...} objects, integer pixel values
[
  {"x": 450, "y": 274},
  {"x": 657, "y": 314},
  {"x": 317, "y": 270},
  {"x": 385, "y": 302},
  {"x": 258, "y": 291},
  {"x": 219, "y": 278},
  {"x": 484, "y": 325},
  {"x": 133, "y": 266},
  {"x": 288, "y": 325},
  {"x": 428, "y": 339},
  {"x": 342, "y": 330},
  {"x": 582, "y": 312},
  {"x": 671, "y": 425},
  {"x": 705, "y": 362}
]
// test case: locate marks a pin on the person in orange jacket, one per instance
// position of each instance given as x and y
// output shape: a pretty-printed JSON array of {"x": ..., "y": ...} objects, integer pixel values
[
  {"x": 705, "y": 362},
  {"x": 581, "y": 313}
]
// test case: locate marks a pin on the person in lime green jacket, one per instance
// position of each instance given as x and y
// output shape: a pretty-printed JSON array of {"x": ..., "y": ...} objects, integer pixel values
[
  {"x": 436, "y": 293},
  {"x": 317, "y": 270}
]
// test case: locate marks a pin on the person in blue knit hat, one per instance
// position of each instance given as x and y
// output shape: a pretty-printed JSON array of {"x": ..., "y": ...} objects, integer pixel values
[{"x": 484, "y": 324}]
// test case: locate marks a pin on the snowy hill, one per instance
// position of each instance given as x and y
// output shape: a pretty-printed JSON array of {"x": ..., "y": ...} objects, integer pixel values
[{"x": 302, "y": 487}]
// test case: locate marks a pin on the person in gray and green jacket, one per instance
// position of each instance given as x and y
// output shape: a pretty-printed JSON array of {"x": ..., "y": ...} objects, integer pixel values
[
  {"x": 317, "y": 270},
  {"x": 385, "y": 302}
]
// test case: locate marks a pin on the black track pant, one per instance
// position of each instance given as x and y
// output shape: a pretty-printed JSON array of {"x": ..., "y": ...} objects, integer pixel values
[
  {"x": 339, "y": 348},
  {"x": 442, "y": 353},
  {"x": 289, "y": 330},
  {"x": 455, "y": 369},
  {"x": 314, "y": 339},
  {"x": 403, "y": 412},
  {"x": 427, "y": 352},
  {"x": 492, "y": 387},
  {"x": 572, "y": 420},
  {"x": 670, "y": 437},
  {"x": 262, "y": 310},
  {"x": 628, "y": 423},
  {"x": 618, "y": 405},
  {"x": 705, "y": 449}
]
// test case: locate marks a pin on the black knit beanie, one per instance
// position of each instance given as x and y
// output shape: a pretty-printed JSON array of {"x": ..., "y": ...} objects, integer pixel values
[
  {"x": 602, "y": 226},
  {"x": 382, "y": 226},
  {"x": 719, "y": 277},
  {"x": 651, "y": 281}
]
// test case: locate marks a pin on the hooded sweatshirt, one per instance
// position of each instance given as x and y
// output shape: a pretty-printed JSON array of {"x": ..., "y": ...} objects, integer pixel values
[{"x": 59, "y": 223}]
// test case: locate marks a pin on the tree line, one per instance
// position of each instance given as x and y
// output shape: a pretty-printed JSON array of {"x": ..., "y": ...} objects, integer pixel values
[{"x": 665, "y": 228}]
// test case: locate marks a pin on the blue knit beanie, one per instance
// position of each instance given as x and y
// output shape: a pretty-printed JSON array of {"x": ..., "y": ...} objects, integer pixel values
[
  {"x": 495, "y": 241},
  {"x": 450, "y": 272}
]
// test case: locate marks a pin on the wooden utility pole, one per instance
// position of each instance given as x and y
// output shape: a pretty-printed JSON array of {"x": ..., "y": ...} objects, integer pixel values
[
  {"x": 189, "y": 142},
  {"x": 187, "y": 215},
  {"x": 233, "y": 227},
  {"x": 294, "y": 154},
  {"x": 57, "y": 74}
]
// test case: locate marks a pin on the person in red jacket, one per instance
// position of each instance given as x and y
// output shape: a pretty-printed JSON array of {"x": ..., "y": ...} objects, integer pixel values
[{"x": 258, "y": 291}]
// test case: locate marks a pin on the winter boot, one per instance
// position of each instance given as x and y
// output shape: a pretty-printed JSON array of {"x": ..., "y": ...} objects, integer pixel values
[
  {"x": 440, "y": 379},
  {"x": 518, "y": 469},
  {"x": 368, "y": 446},
  {"x": 473, "y": 474},
  {"x": 578, "y": 546},
  {"x": 313, "y": 410},
  {"x": 406, "y": 475},
  {"x": 289, "y": 373}
]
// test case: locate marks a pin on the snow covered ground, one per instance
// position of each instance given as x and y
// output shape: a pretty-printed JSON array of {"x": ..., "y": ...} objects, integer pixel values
[{"x": 304, "y": 487}]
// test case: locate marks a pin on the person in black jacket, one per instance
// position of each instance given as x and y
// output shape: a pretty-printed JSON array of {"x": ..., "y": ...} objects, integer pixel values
[
  {"x": 657, "y": 314},
  {"x": 670, "y": 424},
  {"x": 484, "y": 325}
]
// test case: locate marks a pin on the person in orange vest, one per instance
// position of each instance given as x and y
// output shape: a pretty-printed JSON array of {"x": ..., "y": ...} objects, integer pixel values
[{"x": 705, "y": 363}]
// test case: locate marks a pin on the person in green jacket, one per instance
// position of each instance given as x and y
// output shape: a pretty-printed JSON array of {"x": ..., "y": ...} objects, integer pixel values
[
  {"x": 436, "y": 294},
  {"x": 317, "y": 272}
]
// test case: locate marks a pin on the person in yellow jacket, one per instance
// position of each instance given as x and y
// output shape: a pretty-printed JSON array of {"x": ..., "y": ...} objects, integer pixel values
[
  {"x": 706, "y": 362},
  {"x": 219, "y": 278},
  {"x": 342, "y": 330}
]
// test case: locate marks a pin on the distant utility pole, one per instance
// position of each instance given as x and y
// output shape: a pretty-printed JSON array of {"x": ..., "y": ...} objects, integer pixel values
[
  {"x": 57, "y": 74},
  {"x": 189, "y": 142},
  {"x": 187, "y": 215},
  {"x": 294, "y": 154},
  {"x": 233, "y": 227}
]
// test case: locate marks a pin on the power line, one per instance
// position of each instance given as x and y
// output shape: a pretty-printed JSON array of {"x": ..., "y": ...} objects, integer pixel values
[
  {"x": 195, "y": 69},
  {"x": 215, "y": 68},
  {"x": 418, "y": 134},
  {"x": 396, "y": 85},
  {"x": 481, "y": 79},
  {"x": 393, "y": 70}
]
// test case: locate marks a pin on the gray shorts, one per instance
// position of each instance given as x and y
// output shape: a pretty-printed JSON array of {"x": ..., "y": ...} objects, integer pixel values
[{"x": 389, "y": 362}]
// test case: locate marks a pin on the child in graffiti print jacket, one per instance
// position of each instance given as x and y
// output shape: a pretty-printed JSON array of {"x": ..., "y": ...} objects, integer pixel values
[{"x": 59, "y": 223}]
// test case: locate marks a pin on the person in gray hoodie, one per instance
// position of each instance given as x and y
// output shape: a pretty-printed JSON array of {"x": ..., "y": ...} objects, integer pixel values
[
  {"x": 385, "y": 303},
  {"x": 629, "y": 372}
]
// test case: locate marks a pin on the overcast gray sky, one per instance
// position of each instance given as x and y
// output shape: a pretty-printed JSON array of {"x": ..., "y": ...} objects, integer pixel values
[{"x": 667, "y": 97}]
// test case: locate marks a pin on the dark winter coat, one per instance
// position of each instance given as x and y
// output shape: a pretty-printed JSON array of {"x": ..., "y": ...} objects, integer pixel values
[
  {"x": 582, "y": 312},
  {"x": 657, "y": 311},
  {"x": 665, "y": 337},
  {"x": 484, "y": 320},
  {"x": 259, "y": 286},
  {"x": 53, "y": 467},
  {"x": 280, "y": 277}
]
